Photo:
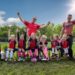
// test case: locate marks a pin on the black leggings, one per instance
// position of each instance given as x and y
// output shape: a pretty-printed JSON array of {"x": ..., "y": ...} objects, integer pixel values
[{"x": 70, "y": 41}]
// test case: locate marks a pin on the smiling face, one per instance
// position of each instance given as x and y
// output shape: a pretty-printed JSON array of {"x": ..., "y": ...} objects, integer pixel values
[
  {"x": 22, "y": 37},
  {"x": 33, "y": 36},
  {"x": 12, "y": 37},
  {"x": 44, "y": 37}
]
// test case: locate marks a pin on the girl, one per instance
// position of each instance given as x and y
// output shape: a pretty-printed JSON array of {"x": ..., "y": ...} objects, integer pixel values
[
  {"x": 43, "y": 47},
  {"x": 64, "y": 44},
  {"x": 54, "y": 44},
  {"x": 24, "y": 36},
  {"x": 12, "y": 44},
  {"x": 33, "y": 50},
  {"x": 21, "y": 51}
]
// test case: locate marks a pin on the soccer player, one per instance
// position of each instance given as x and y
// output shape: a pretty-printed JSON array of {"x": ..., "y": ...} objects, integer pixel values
[{"x": 32, "y": 26}]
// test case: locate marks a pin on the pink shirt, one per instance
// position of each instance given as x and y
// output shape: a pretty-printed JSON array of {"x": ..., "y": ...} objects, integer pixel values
[{"x": 68, "y": 27}]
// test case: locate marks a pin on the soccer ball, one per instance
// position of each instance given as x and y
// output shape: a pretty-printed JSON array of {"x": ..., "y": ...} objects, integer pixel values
[{"x": 33, "y": 59}]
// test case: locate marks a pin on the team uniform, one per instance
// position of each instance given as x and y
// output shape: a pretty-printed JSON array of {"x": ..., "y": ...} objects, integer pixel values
[
  {"x": 64, "y": 45},
  {"x": 31, "y": 27},
  {"x": 24, "y": 41},
  {"x": 33, "y": 48},
  {"x": 54, "y": 45},
  {"x": 21, "y": 51},
  {"x": 9, "y": 51}
]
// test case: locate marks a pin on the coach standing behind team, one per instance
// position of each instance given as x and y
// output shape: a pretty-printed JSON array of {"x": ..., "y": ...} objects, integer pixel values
[{"x": 67, "y": 28}]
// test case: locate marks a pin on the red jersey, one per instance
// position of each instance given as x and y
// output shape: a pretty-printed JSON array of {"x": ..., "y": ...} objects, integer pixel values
[
  {"x": 32, "y": 43},
  {"x": 54, "y": 43},
  {"x": 21, "y": 43},
  {"x": 68, "y": 27},
  {"x": 31, "y": 27},
  {"x": 12, "y": 44},
  {"x": 64, "y": 44}
]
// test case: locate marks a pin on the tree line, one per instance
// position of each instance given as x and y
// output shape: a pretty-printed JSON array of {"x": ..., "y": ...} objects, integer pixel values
[{"x": 49, "y": 30}]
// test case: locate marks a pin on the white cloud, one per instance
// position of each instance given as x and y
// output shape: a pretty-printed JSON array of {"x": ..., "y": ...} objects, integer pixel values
[
  {"x": 2, "y": 22},
  {"x": 13, "y": 20},
  {"x": 9, "y": 21}
]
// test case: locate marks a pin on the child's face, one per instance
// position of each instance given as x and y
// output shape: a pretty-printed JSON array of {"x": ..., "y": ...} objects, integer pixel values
[
  {"x": 33, "y": 36},
  {"x": 12, "y": 38},
  {"x": 43, "y": 39},
  {"x": 22, "y": 37},
  {"x": 64, "y": 37}
]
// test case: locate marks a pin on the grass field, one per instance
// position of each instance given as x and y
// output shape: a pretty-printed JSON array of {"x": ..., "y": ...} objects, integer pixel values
[{"x": 63, "y": 67}]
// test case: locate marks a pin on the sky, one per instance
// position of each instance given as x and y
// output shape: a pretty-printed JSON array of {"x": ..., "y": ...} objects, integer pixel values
[{"x": 54, "y": 11}]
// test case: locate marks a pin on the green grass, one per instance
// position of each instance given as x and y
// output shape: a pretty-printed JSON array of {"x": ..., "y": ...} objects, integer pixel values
[{"x": 63, "y": 67}]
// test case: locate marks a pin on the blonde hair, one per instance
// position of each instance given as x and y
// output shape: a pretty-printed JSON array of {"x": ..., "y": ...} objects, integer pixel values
[
  {"x": 44, "y": 36},
  {"x": 12, "y": 36}
]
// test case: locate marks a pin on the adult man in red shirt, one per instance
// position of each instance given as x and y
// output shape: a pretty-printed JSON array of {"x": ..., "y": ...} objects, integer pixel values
[
  {"x": 32, "y": 27},
  {"x": 67, "y": 28}
]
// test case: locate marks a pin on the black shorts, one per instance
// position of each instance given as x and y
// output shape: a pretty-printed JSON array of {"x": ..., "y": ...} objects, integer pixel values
[{"x": 33, "y": 49}]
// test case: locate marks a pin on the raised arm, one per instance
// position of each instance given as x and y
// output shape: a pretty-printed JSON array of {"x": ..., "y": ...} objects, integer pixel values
[
  {"x": 17, "y": 35},
  {"x": 42, "y": 26},
  {"x": 9, "y": 34},
  {"x": 62, "y": 31},
  {"x": 18, "y": 14},
  {"x": 26, "y": 23}
]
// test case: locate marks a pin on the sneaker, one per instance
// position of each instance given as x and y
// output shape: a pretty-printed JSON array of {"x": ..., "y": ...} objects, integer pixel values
[{"x": 44, "y": 59}]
